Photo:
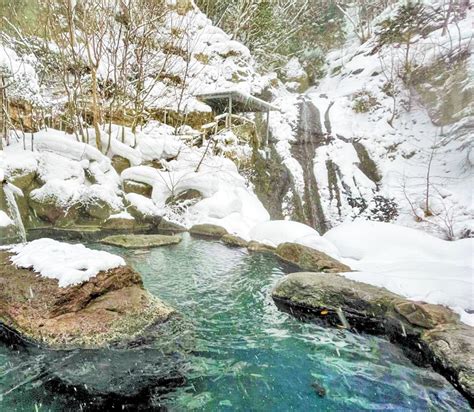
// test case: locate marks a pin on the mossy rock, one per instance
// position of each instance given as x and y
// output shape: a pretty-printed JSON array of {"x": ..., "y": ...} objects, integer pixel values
[
  {"x": 233, "y": 240},
  {"x": 208, "y": 230},
  {"x": 430, "y": 333},
  {"x": 117, "y": 223},
  {"x": 255, "y": 246},
  {"x": 120, "y": 163},
  {"x": 140, "y": 241},
  {"x": 9, "y": 234},
  {"x": 98, "y": 209},
  {"x": 50, "y": 210},
  {"x": 307, "y": 258},
  {"x": 131, "y": 186},
  {"x": 187, "y": 195},
  {"x": 23, "y": 179}
]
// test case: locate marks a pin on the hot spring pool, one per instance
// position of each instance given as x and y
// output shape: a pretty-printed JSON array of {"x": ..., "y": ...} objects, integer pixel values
[{"x": 248, "y": 355}]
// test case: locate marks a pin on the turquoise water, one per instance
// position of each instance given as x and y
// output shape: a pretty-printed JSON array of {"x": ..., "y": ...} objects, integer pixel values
[{"x": 249, "y": 356}]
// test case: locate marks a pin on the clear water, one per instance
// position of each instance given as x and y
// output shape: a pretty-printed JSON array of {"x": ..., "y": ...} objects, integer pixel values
[{"x": 249, "y": 356}]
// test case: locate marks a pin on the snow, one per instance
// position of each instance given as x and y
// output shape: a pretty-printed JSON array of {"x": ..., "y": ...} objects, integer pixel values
[
  {"x": 227, "y": 201},
  {"x": 5, "y": 220},
  {"x": 401, "y": 153},
  {"x": 275, "y": 232},
  {"x": 69, "y": 264},
  {"x": 409, "y": 262}
]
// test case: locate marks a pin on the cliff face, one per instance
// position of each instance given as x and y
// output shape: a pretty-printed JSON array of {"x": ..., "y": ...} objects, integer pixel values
[{"x": 386, "y": 142}]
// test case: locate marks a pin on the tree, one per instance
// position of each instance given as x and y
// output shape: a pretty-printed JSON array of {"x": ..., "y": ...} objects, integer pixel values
[{"x": 402, "y": 29}]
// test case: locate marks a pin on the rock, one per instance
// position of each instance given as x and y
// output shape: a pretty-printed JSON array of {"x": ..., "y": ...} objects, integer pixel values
[
  {"x": 140, "y": 241},
  {"x": 452, "y": 353},
  {"x": 131, "y": 186},
  {"x": 430, "y": 333},
  {"x": 166, "y": 226},
  {"x": 23, "y": 179},
  {"x": 98, "y": 208},
  {"x": 51, "y": 210},
  {"x": 118, "y": 222},
  {"x": 255, "y": 246},
  {"x": 187, "y": 195},
  {"x": 319, "y": 389},
  {"x": 119, "y": 163},
  {"x": 128, "y": 379},
  {"x": 232, "y": 240},
  {"x": 112, "y": 308},
  {"x": 425, "y": 315},
  {"x": 208, "y": 230},
  {"x": 307, "y": 258},
  {"x": 9, "y": 234}
]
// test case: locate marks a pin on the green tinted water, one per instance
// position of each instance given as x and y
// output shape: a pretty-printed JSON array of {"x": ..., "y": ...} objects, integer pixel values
[{"x": 249, "y": 356}]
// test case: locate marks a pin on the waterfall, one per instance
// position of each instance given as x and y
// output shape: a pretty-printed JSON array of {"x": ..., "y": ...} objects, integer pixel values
[
  {"x": 309, "y": 136},
  {"x": 10, "y": 191}
]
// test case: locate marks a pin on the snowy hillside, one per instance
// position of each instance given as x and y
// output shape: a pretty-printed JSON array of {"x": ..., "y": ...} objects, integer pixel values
[{"x": 383, "y": 149}]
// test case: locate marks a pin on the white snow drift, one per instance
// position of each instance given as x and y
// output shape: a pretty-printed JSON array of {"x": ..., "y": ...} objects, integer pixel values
[
  {"x": 409, "y": 262},
  {"x": 69, "y": 264}
]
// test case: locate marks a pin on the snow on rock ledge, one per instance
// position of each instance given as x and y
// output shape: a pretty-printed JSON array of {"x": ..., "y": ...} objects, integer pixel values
[
  {"x": 410, "y": 263},
  {"x": 69, "y": 264}
]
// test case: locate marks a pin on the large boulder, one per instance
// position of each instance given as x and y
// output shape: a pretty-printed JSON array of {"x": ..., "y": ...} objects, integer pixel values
[
  {"x": 52, "y": 210},
  {"x": 140, "y": 241},
  {"x": 308, "y": 258},
  {"x": 98, "y": 208},
  {"x": 430, "y": 333},
  {"x": 110, "y": 308}
]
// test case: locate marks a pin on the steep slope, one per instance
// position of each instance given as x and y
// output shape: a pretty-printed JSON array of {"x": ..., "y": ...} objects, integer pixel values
[{"x": 389, "y": 148}]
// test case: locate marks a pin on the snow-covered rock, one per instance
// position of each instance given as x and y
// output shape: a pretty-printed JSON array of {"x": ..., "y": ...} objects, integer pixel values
[
  {"x": 69, "y": 264},
  {"x": 409, "y": 262}
]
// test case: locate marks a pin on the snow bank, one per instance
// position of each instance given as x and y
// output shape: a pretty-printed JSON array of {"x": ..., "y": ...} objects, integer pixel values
[
  {"x": 409, "y": 262},
  {"x": 280, "y": 231},
  {"x": 69, "y": 264},
  {"x": 5, "y": 220}
]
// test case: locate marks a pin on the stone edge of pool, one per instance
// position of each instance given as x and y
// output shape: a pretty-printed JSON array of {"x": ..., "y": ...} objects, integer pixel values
[{"x": 429, "y": 334}]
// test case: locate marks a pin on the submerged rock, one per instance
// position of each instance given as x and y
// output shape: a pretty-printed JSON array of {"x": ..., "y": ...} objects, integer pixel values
[
  {"x": 208, "y": 230},
  {"x": 109, "y": 309},
  {"x": 432, "y": 334},
  {"x": 307, "y": 258},
  {"x": 140, "y": 241}
]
